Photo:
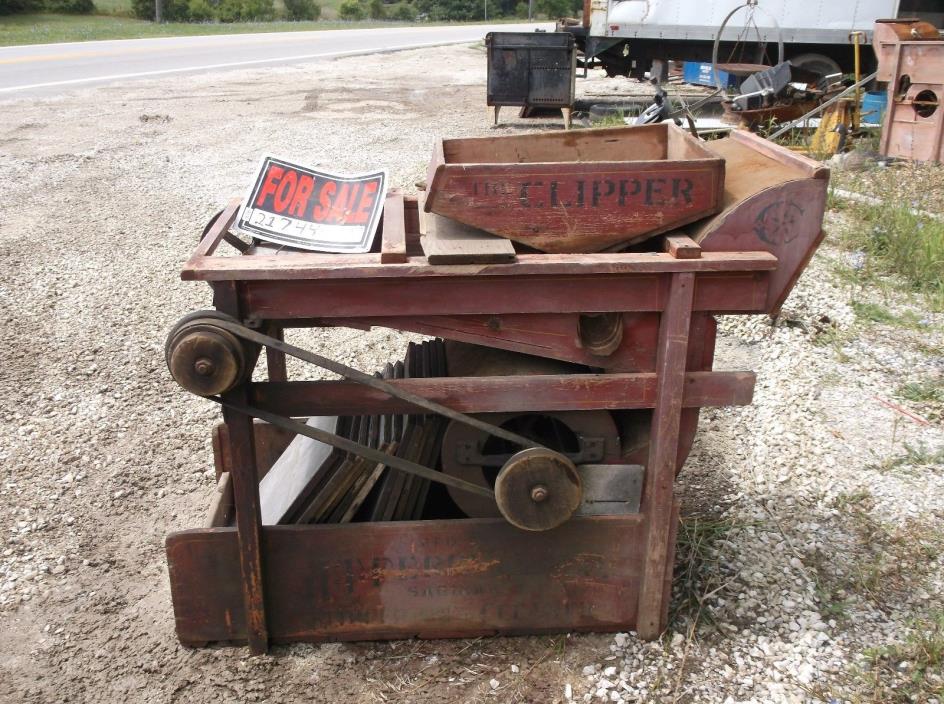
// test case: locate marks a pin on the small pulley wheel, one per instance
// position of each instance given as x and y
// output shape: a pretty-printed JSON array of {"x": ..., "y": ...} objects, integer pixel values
[
  {"x": 204, "y": 358},
  {"x": 538, "y": 489}
]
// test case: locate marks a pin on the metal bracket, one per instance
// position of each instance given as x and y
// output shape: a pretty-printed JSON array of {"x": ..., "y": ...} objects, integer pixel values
[{"x": 471, "y": 453}]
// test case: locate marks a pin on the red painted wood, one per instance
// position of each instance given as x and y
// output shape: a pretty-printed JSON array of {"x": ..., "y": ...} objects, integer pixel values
[
  {"x": 393, "y": 234},
  {"x": 240, "y": 439},
  {"x": 275, "y": 360},
  {"x": 663, "y": 447},
  {"x": 584, "y": 193},
  {"x": 327, "y": 299},
  {"x": 785, "y": 221},
  {"x": 682, "y": 247},
  {"x": 363, "y": 266},
  {"x": 458, "y": 578},
  {"x": 552, "y": 335},
  {"x": 215, "y": 234},
  {"x": 248, "y": 522},
  {"x": 498, "y": 394}
]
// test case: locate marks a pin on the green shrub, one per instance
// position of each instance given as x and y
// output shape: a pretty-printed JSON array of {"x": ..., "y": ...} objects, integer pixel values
[
  {"x": 450, "y": 10},
  {"x": 521, "y": 10},
  {"x": 302, "y": 10},
  {"x": 405, "y": 12},
  {"x": 351, "y": 10},
  {"x": 70, "y": 7},
  {"x": 11, "y": 7},
  {"x": 375, "y": 9},
  {"x": 553, "y": 9},
  {"x": 172, "y": 10},
  {"x": 200, "y": 11},
  {"x": 244, "y": 10}
]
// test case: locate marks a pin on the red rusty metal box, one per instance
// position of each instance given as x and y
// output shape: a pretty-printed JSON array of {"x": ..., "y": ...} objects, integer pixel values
[{"x": 582, "y": 191}]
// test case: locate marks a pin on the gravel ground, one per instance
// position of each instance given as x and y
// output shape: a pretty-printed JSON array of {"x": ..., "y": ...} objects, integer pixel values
[{"x": 811, "y": 552}]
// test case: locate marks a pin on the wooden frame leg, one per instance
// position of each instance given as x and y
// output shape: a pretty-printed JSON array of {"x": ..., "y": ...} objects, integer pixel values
[
  {"x": 663, "y": 448},
  {"x": 240, "y": 436},
  {"x": 566, "y": 112},
  {"x": 248, "y": 520},
  {"x": 275, "y": 360}
]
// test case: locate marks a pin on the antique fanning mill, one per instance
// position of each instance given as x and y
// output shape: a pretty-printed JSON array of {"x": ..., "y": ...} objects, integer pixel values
[{"x": 515, "y": 473}]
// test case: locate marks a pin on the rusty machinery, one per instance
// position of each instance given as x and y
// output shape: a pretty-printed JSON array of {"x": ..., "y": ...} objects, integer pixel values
[{"x": 574, "y": 365}]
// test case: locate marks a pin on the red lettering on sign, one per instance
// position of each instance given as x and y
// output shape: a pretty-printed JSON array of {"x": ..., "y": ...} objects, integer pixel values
[
  {"x": 344, "y": 203},
  {"x": 272, "y": 180},
  {"x": 283, "y": 196},
  {"x": 320, "y": 212},
  {"x": 306, "y": 184},
  {"x": 366, "y": 204}
]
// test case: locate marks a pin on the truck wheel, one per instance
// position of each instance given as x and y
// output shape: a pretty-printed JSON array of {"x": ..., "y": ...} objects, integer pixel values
[{"x": 816, "y": 62}]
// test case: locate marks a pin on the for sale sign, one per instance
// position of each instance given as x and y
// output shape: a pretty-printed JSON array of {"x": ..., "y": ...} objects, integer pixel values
[{"x": 300, "y": 207}]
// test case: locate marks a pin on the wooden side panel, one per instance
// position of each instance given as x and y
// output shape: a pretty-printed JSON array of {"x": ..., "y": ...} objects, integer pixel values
[
  {"x": 578, "y": 207},
  {"x": 785, "y": 220},
  {"x": 471, "y": 295},
  {"x": 458, "y": 578}
]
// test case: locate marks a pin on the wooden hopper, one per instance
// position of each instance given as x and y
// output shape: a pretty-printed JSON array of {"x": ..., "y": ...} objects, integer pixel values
[{"x": 584, "y": 191}]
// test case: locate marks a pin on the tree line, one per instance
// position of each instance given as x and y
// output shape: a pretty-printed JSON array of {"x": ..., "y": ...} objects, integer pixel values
[{"x": 353, "y": 10}]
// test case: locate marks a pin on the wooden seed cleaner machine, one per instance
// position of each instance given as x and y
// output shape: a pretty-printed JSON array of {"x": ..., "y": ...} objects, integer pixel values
[{"x": 515, "y": 474}]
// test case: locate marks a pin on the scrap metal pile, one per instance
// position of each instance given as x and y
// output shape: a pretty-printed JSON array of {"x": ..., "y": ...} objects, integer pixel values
[{"x": 569, "y": 281}]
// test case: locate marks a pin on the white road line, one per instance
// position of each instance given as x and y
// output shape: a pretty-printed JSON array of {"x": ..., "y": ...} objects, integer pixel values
[{"x": 206, "y": 67}]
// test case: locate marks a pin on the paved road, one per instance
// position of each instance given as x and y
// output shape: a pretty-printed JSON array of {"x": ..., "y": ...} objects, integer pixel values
[{"x": 53, "y": 68}]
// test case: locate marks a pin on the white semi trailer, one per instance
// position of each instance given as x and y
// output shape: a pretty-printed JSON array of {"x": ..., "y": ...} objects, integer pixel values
[{"x": 625, "y": 36}]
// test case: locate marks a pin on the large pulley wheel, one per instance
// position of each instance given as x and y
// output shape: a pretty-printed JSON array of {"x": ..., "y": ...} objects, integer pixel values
[
  {"x": 538, "y": 489},
  {"x": 204, "y": 358}
]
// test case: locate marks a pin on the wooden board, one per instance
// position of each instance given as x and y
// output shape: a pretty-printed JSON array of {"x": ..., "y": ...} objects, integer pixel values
[
  {"x": 393, "y": 232},
  {"x": 457, "y": 578},
  {"x": 447, "y": 241},
  {"x": 506, "y": 394}
]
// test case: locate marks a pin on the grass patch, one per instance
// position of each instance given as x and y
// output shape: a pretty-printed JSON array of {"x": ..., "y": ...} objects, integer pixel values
[
  {"x": 919, "y": 456},
  {"x": 47, "y": 29},
  {"x": 926, "y": 391},
  {"x": 901, "y": 672},
  {"x": 926, "y": 394},
  {"x": 830, "y": 335},
  {"x": 876, "y": 313},
  {"x": 698, "y": 574},
  {"x": 884, "y": 562},
  {"x": 897, "y": 242},
  {"x": 910, "y": 671}
]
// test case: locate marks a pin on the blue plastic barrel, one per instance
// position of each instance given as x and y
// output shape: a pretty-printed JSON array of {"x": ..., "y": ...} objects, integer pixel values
[{"x": 873, "y": 106}]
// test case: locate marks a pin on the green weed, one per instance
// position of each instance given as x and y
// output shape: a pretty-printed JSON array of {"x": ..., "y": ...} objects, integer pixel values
[
  {"x": 697, "y": 565},
  {"x": 925, "y": 391},
  {"x": 901, "y": 243}
]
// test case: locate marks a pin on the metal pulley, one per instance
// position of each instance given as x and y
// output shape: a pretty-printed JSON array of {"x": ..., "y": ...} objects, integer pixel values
[
  {"x": 538, "y": 489},
  {"x": 206, "y": 359}
]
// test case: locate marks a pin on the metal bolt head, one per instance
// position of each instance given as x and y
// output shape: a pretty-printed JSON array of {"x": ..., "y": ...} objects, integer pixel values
[
  {"x": 204, "y": 366},
  {"x": 539, "y": 493}
]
